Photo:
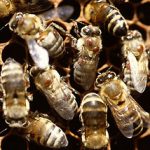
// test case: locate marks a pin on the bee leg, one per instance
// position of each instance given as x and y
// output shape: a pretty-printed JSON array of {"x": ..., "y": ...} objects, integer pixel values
[
  {"x": 29, "y": 96},
  {"x": 58, "y": 28},
  {"x": 72, "y": 134}
]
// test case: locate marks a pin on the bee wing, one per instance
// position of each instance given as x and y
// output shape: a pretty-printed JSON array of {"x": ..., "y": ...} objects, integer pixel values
[
  {"x": 39, "y": 54},
  {"x": 125, "y": 117},
  {"x": 62, "y": 12},
  {"x": 135, "y": 73},
  {"x": 144, "y": 115},
  {"x": 142, "y": 72}
]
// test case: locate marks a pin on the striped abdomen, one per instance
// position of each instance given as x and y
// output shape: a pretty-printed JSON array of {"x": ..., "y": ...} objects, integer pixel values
[
  {"x": 127, "y": 76},
  {"x": 12, "y": 77},
  {"x": 115, "y": 22},
  {"x": 104, "y": 14},
  {"x": 93, "y": 115},
  {"x": 132, "y": 123},
  {"x": 85, "y": 72},
  {"x": 15, "y": 104},
  {"x": 53, "y": 42},
  {"x": 44, "y": 132}
]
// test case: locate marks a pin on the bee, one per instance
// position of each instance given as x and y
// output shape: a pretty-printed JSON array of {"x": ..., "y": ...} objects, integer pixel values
[
  {"x": 44, "y": 132},
  {"x": 42, "y": 41},
  {"x": 8, "y": 7},
  {"x": 58, "y": 93},
  {"x": 135, "y": 67},
  {"x": 130, "y": 117},
  {"x": 89, "y": 47},
  {"x": 93, "y": 115},
  {"x": 101, "y": 13},
  {"x": 15, "y": 100}
]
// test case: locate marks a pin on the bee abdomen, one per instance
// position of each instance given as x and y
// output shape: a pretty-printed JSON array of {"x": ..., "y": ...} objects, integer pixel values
[
  {"x": 53, "y": 42},
  {"x": 12, "y": 76},
  {"x": 127, "y": 78},
  {"x": 84, "y": 74},
  {"x": 93, "y": 116},
  {"x": 57, "y": 49},
  {"x": 134, "y": 125},
  {"x": 46, "y": 133},
  {"x": 115, "y": 22}
]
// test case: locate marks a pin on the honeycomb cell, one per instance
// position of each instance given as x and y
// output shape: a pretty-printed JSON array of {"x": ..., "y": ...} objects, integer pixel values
[
  {"x": 15, "y": 51},
  {"x": 14, "y": 142},
  {"x": 126, "y": 9},
  {"x": 75, "y": 6},
  {"x": 143, "y": 12},
  {"x": 135, "y": 1}
]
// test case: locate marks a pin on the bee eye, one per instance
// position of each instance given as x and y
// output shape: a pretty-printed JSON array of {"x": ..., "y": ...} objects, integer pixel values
[
  {"x": 100, "y": 80},
  {"x": 14, "y": 25},
  {"x": 86, "y": 30},
  {"x": 111, "y": 75}
]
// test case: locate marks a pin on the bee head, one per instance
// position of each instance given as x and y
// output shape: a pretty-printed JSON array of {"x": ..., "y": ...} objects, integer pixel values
[
  {"x": 90, "y": 31},
  {"x": 15, "y": 21},
  {"x": 132, "y": 34},
  {"x": 104, "y": 77}
]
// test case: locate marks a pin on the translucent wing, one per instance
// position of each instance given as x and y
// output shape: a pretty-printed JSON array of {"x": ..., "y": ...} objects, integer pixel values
[
  {"x": 142, "y": 72},
  {"x": 134, "y": 68},
  {"x": 144, "y": 115},
  {"x": 62, "y": 12},
  {"x": 39, "y": 54},
  {"x": 127, "y": 117}
]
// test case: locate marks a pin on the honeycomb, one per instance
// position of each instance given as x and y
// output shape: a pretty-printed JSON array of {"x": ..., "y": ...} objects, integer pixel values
[{"x": 136, "y": 12}]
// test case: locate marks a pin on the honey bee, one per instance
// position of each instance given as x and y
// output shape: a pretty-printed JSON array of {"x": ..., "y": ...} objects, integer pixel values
[
  {"x": 44, "y": 132},
  {"x": 136, "y": 61},
  {"x": 130, "y": 117},
  {"x": 93, "y": 115},
  {"x": 59, "y": 95},
  {"x": 15, "y": 101},
  {"x": 42, "y": 41},
  {"x": 8, "y": 7},
  {"x": 89, "y": 47},
  {"x": 101, "y": 13}
]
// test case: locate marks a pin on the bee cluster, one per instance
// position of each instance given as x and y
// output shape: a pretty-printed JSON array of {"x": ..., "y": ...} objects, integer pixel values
[{"x": 74, "y": 74}]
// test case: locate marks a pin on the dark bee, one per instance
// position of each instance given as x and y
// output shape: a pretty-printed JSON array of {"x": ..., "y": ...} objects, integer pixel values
[
  {"x": 58, "y": 93},
  {"x": 128, "y": 114},
  {"x": 93, "y": 115},
  {"x": 135, "y": 67},
  {"x": 44, "y": 132},
  {"x": 101, "y": 13},
  {"x": 15, "y": 102},
  {"x": 89, "y": 47}
]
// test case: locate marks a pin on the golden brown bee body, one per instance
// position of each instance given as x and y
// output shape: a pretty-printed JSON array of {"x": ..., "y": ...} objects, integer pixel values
[
  {"x": 128, "y": 114},
  {"x": 8, "y": 7},
  {"x": 27, "y": 26},
  {"x": 57, "y": 92},
  {"x": 93, "y": 115},
  {"x": 89, "y": 46},
  {"x": 15, "y": 103},
  {"x": 44, "y": 132},
  {"x": 103, "y": 14},
  {"x": 135, "y": 67}
]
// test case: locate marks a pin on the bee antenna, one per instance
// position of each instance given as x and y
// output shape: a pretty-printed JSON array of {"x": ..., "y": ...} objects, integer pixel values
[
  {"x": 4, "y": 26},
  {"x": 109, "y": 68},
  {"x": 1, "y": 132}
]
